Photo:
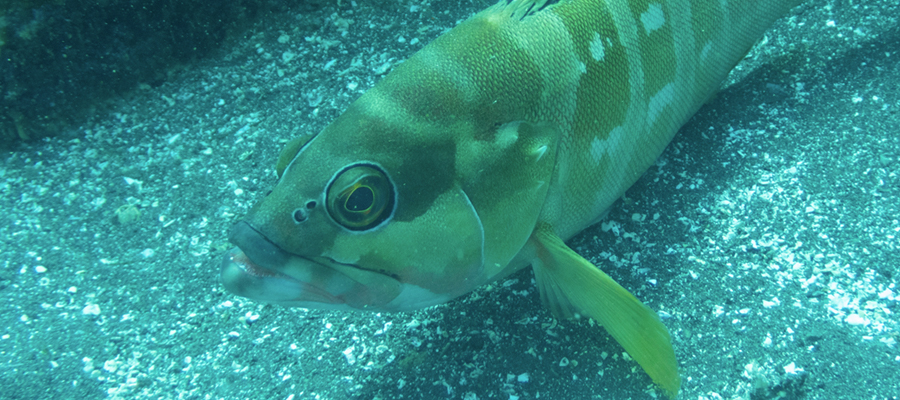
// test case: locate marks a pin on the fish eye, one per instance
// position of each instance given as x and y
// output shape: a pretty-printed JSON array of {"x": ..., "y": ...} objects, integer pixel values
[{"x": 360, "y": 197}]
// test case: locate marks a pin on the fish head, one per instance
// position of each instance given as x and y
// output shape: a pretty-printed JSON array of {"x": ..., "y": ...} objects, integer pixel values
[
  {"x": 359, "y": 222},
  {"x": 408, "y": 199}
]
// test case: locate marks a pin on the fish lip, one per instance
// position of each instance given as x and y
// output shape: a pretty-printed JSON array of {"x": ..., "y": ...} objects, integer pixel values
[
  {"x": 261, "y": 270},
  {"x": 242, "y": 276},
  {"x": 257, "y": 246},
  {"x": 266, "y": 255},
  {"x": 254, "y": 269}
]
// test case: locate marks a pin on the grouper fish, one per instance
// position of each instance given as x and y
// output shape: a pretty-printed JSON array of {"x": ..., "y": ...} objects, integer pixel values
[{"x": 481, "y": 153}]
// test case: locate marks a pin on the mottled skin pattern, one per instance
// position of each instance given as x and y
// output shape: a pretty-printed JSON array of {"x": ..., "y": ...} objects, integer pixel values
[{"x": 519, "y": 127}]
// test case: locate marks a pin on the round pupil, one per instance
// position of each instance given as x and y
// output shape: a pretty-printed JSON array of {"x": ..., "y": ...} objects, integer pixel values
[{"x": 360, "y": 199}]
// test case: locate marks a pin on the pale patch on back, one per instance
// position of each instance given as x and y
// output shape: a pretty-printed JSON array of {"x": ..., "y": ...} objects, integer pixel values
[
  {"x": 582, "y": 67},
  {"x": 459, "y": 74},
  {"x": 660, "y": 100},
  {"x": 653, "y": 18},
  {"x": 607, "y": 151},
  {"x": 704, "y": 53},
  {"x": 545, "y": 38},
  {"x": 611, "y": 144},
  {"x": 597, "y": 150},
  {"x": 395, "y": 111},
  {"x": 596, "y": 47}
]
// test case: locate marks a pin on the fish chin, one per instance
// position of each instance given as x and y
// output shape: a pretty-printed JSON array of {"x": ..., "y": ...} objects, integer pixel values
[
  {"x": 245, "y": 278},
  {"x": 301, "y": 282}
]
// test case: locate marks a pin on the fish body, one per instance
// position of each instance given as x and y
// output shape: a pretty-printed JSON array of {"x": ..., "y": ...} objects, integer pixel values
[{"x": 478, "y": 155}]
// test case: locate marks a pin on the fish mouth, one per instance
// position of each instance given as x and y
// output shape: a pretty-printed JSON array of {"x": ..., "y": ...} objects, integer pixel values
[
  {"x": 259, "y": 269},
  {"x": 245, "y": 278}
]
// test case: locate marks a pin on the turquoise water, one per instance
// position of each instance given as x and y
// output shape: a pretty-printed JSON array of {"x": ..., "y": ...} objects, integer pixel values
[{"x": 766, "y": 235}]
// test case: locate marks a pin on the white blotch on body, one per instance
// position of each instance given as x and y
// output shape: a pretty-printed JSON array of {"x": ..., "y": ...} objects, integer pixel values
[
  {"x": 596, "y": 47},
  {"x": 597, "y": 149},
  {"x": 705, "y": 51},
  {"x": 660, "y": 100},
  {"x": 653, "y": 18},
  {"x": 582, "y": 67},
  {"x": 601, "y": 147}
]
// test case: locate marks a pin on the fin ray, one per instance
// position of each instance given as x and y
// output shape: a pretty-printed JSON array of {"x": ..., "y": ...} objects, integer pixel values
[
  {"x": 569, "y": 283},
  {"x": 519, "y": 9}
]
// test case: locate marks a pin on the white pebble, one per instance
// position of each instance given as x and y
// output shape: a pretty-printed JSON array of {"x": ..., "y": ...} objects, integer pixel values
[
  {"x": 348, "y": 354},
  {"x": 855, "y": 319},
  {"x": 91, "y": 309},
  {"x": 791, "y": 369}
]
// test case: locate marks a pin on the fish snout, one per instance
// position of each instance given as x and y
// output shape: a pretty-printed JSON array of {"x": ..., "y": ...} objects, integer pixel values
[
  {"x": 257, "y": 247},
  {"x": 261, "y": 270}
]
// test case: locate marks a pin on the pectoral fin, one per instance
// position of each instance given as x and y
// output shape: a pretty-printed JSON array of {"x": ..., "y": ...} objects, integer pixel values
[{"x": 568, "y": 284}]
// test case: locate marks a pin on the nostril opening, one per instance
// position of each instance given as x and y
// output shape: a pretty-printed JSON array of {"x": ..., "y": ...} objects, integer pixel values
[
  {"x": 311, "y": 204},
  {"x": 300, "y": 215}
]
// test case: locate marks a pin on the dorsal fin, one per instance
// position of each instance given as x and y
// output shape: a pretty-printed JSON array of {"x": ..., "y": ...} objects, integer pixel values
[{"x": 519, "y": 9}]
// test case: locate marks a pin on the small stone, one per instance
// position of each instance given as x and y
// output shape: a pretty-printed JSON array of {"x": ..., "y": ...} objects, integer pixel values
[
  {"x": 127, "y": 214},
  {"x": 348, "y": 354},
  {"x": 91, "y": 309},
  {"x": 792, "y": 369},
  {"x": 855, "y": 319}
]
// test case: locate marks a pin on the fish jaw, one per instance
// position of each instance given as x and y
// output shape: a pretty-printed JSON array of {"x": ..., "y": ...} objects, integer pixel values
[
  {"x": 245, "y": 278},
  {"x": 259, "y": 270}
]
